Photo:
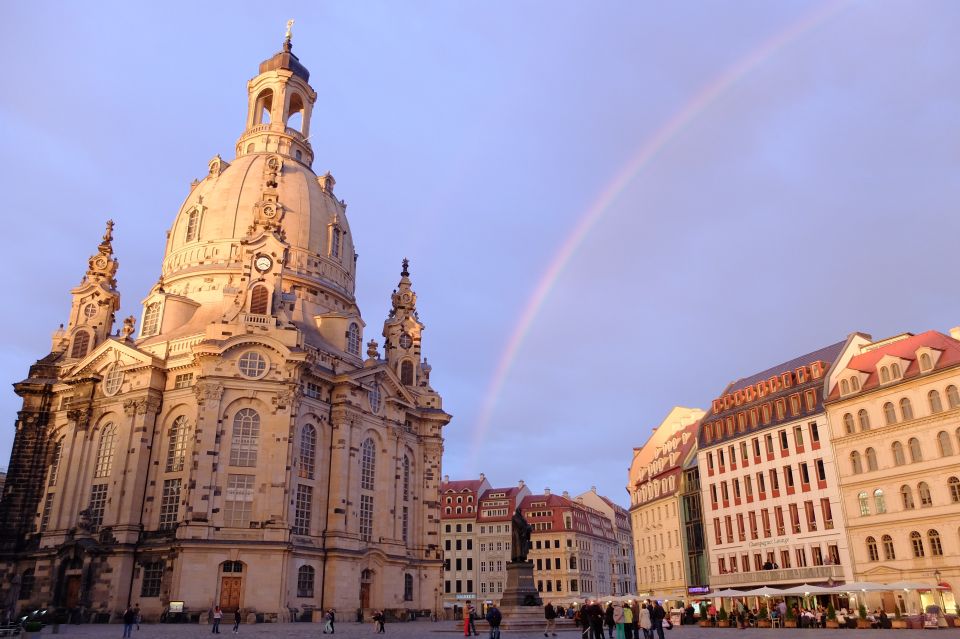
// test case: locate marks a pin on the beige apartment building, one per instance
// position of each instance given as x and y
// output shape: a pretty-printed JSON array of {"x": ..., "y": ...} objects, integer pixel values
[
  {"x": 623, "y": 566},
  {"x": 770, "y": 496},
  {"x": 894, "y": 413},
  {"x": 654, "y": 484},
  {"x": 243, "y": 448}
]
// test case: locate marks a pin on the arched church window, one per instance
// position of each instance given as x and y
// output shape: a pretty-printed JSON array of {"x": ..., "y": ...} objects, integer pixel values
[
  {"x": 259, "y": 300},
  {"x": 406, "y": 373},
  {"x": 308, "y": 451},
  {"x": 263, "y": 107},
  {"x": 104, "y": 463},
  {"x": 177, "y": 445},
  {"x": 55, "y": 461},
  {"x": 368, "y": 464},
  {"x": 406, "y": 478},
  {"x": 151, "y": 320},
  {"x": 193, "y": 225},
  {"x": 305, "y": 578},
  {"x": 81, "y": 342},
  {"x": 408, "y": 587},
  {"x": 353, "y": 339},
  {"x": 246, "y": 438}
]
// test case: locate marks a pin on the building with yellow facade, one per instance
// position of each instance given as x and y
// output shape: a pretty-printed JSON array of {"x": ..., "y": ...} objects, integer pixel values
[
  {"x": 894, "y": 414},
  {"x": 655, "y": 485}
]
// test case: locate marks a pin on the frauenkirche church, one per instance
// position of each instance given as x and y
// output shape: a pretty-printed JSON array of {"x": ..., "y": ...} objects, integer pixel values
[{"x": 244, "y": 448}]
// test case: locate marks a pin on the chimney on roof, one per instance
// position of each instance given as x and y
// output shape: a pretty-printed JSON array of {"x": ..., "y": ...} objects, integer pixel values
[
  {"x": 955, "y": 332},
  {"x": 546, "y": 491},
  {"x": 593, "y": 489},
  {"x": 520, "y": 484},
  {"x": 482, "y": 476},
  {"x": 566, "y": 494},
  {"x": 446, "y": 479}
]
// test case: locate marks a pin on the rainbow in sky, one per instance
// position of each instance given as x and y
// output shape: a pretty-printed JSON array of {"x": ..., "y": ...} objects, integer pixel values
[{"x": 695, "y": 107}]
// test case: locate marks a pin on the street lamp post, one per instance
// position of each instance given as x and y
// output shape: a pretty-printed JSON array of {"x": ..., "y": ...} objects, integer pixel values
[{"x": 936, "y": 577}]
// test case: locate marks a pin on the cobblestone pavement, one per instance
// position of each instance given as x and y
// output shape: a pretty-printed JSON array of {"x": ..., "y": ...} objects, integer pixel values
[{"x": 448, "y": 629}]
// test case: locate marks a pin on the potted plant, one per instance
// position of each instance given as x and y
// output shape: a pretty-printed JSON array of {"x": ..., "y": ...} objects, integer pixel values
[
  {"x": 723, "y": 620},
  {"x": 862, "y": 621},
  {"x": 832, "y": 617},
  {"x": 898, "y": 621},
  {"x": 763, "y": 617},
  {"x": 790, "y": 619},
  {"x": 32, "y": 629}
]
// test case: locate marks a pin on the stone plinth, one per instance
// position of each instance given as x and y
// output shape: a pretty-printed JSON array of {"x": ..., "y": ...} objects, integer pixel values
[{"x": 520, "y": 603}]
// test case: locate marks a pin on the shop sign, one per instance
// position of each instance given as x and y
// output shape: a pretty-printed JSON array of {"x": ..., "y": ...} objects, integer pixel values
[
  {"x": 466, "y": 595},
  {"x": 698, "y": 590}
]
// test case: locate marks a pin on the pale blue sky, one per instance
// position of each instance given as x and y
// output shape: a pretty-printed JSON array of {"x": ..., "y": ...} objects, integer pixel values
[{"x": 815, "y": 197}]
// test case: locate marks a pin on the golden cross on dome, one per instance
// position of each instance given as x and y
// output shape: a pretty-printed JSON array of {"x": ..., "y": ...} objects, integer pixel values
[{"x": 289, "y": 29}]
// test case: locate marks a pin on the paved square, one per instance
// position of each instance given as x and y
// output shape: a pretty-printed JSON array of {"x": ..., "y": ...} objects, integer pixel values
[{"x": 448, "y": 629}]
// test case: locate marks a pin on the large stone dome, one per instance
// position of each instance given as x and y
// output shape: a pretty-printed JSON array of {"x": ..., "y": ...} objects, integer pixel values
[{"x": 225, "y": 209}]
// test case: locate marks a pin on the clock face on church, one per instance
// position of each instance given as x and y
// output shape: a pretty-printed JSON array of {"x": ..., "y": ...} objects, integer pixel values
[
  {"x": 263, "y": 263},
  {"x": 405, "y": 340}
]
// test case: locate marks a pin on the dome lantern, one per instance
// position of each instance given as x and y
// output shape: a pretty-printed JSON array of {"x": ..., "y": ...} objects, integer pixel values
[{"x": 279, "y": 103}]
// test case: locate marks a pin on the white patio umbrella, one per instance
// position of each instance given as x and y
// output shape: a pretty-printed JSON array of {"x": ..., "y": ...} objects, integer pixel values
[
  {"x": 858, "y": 586},
  {"x": 765, "y": 591},
  {"x": 729, "y": 592},
  {"x": 808, "y": 589},
  {"x": 907, "y": 585}
]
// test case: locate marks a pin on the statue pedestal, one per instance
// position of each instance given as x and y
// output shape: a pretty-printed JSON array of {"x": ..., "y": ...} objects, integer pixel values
[{"x": 520, "y": 603}]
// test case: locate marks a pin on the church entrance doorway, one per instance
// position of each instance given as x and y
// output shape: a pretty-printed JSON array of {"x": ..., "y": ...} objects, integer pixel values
[
  {"x": 71, "y": 595},
  {"x": 366, "y": 579},
  {"x": 230, "y": 593},
  {"x": 231, "y": 585}
]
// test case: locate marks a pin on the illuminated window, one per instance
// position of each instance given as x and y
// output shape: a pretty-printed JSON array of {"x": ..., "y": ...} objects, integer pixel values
[
  {"x": 104, "y": 464},
  {"x": 246, "y": 438},
  {"x": 177, "y": 440}
]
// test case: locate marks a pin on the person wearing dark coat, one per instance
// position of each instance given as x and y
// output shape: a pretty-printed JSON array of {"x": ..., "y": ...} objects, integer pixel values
[
  {"x": 657, "y": 615},
  {"x": 608, "y": 619},
  {"x": 596, "y": 620}
]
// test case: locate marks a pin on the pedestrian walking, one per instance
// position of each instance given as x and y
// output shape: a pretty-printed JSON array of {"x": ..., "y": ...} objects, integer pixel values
[
  {"x": 645, "y": 622},
  {"x": 236, "y": 621},
  {"x": 628, "y": 622},
  {"x": 596, "y": 620},
  {"x": 378, "y": 620},
  {"x": 471, "y": 625},
  {"x": 327, "y": 624},
  {"x": 608, "y": 618},
  {"x": 494, "y": 618},
  {"x": 333, "y": 619},
  {"x": 217, "y": 616},
  {"x": 129, "y": 618},
  {"x": 618, "y": 620},
  {"x": 137, "y": 617},
  {"x": 657, "y": 616},
  {"x": 550, "y": 614}
]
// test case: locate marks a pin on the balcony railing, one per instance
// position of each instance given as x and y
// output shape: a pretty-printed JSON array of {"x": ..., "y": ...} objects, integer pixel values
[{"x": 780, "y": 575}]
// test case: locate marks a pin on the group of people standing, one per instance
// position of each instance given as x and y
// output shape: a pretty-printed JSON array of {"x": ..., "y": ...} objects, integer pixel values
[{"x": 623, "y": 620}]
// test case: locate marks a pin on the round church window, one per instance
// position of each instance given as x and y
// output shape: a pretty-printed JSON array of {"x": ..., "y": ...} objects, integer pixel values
[
  {"x": 113, "y": 381},
  {"x": 252, "y": 364},
  {"x": 89, "y": 310}
]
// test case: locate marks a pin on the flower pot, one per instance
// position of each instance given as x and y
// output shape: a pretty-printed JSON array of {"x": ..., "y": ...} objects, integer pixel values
[
  {"x": 705, "y": 623},
  {"x": 863, "y": 624},
  {"x": 898, "y": 623},
  {"x": 789, "y": 623},
  {"x": 764, "y": 623},
  {"x": 723, "y": 624},
  {"x": 832, "y": 623}
]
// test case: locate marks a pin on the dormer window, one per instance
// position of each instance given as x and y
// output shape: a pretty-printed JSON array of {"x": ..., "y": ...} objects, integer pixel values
[
  {"x": 884, "y": 375},
  {"x": 353, "y": 339},
  {"x": 925, "y": 362},
  {"x": 844, "y": 387},
  {"x": 193, "y": 226},
  {"x": 854, "y": 384},
  {"x": 151, "y": 320},
  {"x": 895, "y": 371}
]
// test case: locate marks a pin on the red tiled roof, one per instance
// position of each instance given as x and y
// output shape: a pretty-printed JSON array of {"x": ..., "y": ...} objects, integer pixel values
[
  {"x": 459, "y": 485},
  {"x": 906, "y": 349}
]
